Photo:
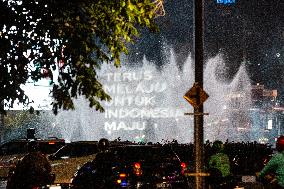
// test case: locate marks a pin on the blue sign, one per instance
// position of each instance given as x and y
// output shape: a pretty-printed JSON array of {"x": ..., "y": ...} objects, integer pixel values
[{"x": 226, "y": 1}]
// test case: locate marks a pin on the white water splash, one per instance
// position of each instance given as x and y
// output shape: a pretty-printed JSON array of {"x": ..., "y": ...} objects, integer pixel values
[{"x": 160, "y": 91}]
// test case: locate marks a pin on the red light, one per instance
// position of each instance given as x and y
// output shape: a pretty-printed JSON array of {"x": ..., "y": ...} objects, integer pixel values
[
  {"x": 137, "y": 165},
  {"x": 137, "y": 169},
  {"x": 122, "y": 175},
  {"x": 183, "y": 165},
  {"x": 51, "y": 142}
]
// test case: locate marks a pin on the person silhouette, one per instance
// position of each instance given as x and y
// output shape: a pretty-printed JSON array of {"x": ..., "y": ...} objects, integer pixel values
[
  {"x": 33, "y": 170},
  {"x": 219, "y": 165}
]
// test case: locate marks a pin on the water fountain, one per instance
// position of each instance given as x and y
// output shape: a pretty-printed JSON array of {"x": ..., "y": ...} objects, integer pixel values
[{"x": 148, "y": 104}]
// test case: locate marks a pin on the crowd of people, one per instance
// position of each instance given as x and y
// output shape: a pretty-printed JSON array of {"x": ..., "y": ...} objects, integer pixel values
[
  {"x": 223, "y": 160},
  {"x": 246, "y": 157},
  {"x": 230, "y": 160}
]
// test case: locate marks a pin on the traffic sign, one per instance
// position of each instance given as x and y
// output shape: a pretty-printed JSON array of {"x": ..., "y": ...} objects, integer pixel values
[{"x": 196, "y": 96}]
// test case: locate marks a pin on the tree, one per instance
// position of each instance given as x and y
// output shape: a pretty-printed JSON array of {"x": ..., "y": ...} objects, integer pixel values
[
  {"x": 16, "y": 124},
  {"x": 37, "y": 36}
]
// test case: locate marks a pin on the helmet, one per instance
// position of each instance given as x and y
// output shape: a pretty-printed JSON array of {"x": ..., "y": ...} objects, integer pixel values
[
  {"x": 103, "y": 144},
  {"x": 217, "y": 146},
  {"x": 280, "y": 144}
]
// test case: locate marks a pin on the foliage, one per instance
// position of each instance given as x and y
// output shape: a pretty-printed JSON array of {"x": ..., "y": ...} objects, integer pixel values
[
  {"x": 16, "y": 124},
  {"x": 16, "y": 119},
  {"x": 36, "y": 35}
]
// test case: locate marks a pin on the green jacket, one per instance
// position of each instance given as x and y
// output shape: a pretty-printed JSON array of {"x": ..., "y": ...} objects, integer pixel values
[
  {"x": 221, "y": 162},
  {"x": 275, "y": 165}
]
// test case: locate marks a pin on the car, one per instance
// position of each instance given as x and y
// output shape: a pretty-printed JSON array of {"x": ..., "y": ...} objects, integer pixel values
[
  {"x": 185, "y": 154},
  {"x": 68, "y": 159},
  {"x": 13, "y": 151},
  {"x": 132, "y": 166}
]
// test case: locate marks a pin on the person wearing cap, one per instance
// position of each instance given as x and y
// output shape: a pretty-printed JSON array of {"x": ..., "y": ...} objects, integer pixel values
[{"x": 275, "y": 166}]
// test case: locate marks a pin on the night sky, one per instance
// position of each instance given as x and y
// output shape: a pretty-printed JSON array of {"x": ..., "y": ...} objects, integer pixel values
[{"x": 253, "y": 29}]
